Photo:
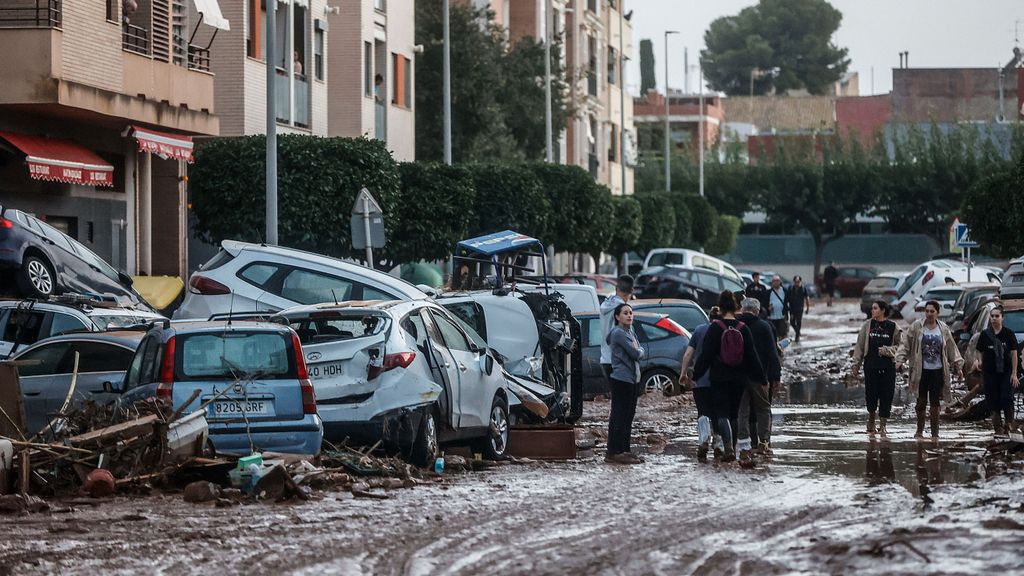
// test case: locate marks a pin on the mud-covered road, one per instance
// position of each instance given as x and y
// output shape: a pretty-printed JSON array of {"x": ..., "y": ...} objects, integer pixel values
[{"x": 829, "y": 502}]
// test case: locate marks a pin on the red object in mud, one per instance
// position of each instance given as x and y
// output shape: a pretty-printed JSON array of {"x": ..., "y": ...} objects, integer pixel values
[{"x": 99, "y": 483}]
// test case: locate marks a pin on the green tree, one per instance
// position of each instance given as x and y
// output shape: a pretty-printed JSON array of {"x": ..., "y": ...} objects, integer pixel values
[
  {"x": 581, "y": 208},
  {"x": 626, "y": 227},
  {"x": 791, "y": 38},
  {"x": 703, "y": 220},
  {"x": 659, "y": 221},
  {"x": 727, "y": 228},
  {"x": 433, "y": 213},
  {"x": 648, "y": 79},
  {"x": 995, "y": 213},
  {"x": 522, "y": 95},
  {"x": 509, "y": 196}
]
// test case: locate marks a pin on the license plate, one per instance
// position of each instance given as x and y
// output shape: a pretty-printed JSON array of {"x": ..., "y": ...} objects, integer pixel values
[
  {"x": 239, "y": 408},
  {"x": 326, "y": 370}
]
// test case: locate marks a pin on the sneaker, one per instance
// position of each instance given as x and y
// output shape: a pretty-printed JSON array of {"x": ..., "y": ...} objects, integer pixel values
[
  {"x": 747, "y": 459},
  {"x": 702, "y": 453},
  {"x": 614, "y": 459},
  {"x": 632, "y": 458}
]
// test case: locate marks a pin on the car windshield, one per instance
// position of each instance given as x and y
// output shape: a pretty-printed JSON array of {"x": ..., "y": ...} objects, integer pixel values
[
  {"x": 230, "y": 355},
  {"x": 109, "y": 322},
  {"x": 912, "y": 278},
  {"x": 321, "y": 327}
]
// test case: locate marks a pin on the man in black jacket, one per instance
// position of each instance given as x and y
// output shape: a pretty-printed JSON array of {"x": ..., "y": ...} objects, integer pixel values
[
  {"x": 756, "y": 400},
  {"x": 757, "y": 290}
]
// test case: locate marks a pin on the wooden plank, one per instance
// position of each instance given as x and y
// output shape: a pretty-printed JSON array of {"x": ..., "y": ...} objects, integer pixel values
[
  {"x": 116, "y": 432},
  {"x": 12, "y": 408}
]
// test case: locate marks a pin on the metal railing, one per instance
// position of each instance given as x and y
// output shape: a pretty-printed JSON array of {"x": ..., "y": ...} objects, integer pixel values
[
  {"x": 301, "y": 101},
  {"x": 135, "y": 39},
  {"x": 592, "y": 84},
  {"x": 198, "y": 58},
  {"x": 31, "y": 14}
]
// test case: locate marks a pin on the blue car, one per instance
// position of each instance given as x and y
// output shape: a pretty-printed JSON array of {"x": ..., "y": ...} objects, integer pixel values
[{"x": 251, "y": 378}]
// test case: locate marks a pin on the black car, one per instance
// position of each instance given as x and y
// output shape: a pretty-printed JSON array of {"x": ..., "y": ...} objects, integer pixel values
[
  {"x": 47, "y": 262},
  {"x": 701, "y": 286}
]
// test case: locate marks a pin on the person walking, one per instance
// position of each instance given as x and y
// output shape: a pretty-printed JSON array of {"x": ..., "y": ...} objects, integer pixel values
[
  {"x": 829, "y": 280},
  {"x": 701, "y": 388},
  {"x": 778, "y": 308},
  {"x": 755, "y": 414},
  {"x": 930, "y": 352},
  {"x": 729, "y": 356},
  {"x": 623, "y": 293},
  {"x": 799, "y": 303},
  {"x": 877, "y": 343},
  {"x": 625, "y": 386},
  {"x": 757, "y": 290},
  {"x": 998, "y": 365}
]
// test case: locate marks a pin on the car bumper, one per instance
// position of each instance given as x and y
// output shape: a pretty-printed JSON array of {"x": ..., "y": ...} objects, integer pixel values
[
  {"x": 297, "y": 437},
  {"x": 394, "y": 428}
]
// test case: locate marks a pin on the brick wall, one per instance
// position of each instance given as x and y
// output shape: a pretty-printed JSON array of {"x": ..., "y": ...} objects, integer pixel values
[
  {"x": 524, "y": 19},
  {"x": 228, "y": 62},
  {"x": 345, "y": 70},
  {"x": 864, "y": 116},
  {"x": 91, "y": 45},
  {"x": 949, "y": 94}
]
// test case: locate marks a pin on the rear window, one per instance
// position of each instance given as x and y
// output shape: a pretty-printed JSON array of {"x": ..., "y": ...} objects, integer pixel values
[
  {"x": 331, "y": 327},
  {"x": 1014, "y": 320},
  {"x": 118, "y": 321},
  {"x": 688, "y": 318},
  {"x": 219, "y": 259},
  {"x": 911, "y": 279},
  {"x": 882, "y": 283},
  {"x": 942, "y": 295},
  {"x": 664, "y": 258},
  {"x": 231, "y": 355},
  {"x": 1015, "y": 278}
]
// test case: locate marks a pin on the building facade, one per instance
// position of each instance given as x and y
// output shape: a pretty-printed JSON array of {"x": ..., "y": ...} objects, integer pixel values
[
  {"x": 685, "y": 117},
  {"x": 98, "y": 107}
]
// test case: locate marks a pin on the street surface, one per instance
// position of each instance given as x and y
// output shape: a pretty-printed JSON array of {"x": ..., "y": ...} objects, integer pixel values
[{"x": 829, "y": 502}]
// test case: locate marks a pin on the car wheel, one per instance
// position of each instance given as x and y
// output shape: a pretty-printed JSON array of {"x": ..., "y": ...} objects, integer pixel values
[
  {"x": 657, "y": 380},
  {"x": 36, "y": 278},
  {"x": 425, "y": 448},
  {"x": 495, "y": 445}
]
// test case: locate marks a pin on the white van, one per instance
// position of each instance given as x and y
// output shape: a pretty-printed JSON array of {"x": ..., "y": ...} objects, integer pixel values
[
  {"x": 927, "y": 275},
  {"x": 690, "y": 259}
]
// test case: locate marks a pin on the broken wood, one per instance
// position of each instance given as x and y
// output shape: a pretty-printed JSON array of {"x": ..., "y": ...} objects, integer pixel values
[
  {"x": 116, "y": 432},
  {"x": 23, "y": 472}
]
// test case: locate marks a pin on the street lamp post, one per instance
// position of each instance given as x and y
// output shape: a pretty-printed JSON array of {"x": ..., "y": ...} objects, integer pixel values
[
  {"x": 700, "y": 128},
  {"x": 549, "y": 154},
  {"x": 271, "y": 175},
  {"x": 668, "y": 149},
  {"x": 622, "y": 101},
  {"x": 447, "y": 86}
]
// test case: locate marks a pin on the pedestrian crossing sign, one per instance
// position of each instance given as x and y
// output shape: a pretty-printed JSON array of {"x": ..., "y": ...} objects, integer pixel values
[{"x": 963, "y": 236}]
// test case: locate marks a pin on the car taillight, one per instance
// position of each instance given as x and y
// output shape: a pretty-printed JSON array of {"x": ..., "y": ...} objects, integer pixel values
[
  {"x": 206, "y": 286},
  {"x": 5, "y": 223},
  {"x": 302, "y": 373},
  {"x": 300, "y": 362},
  {"x": 166, "y": 382},
  {"x": 391, "y": 361},
  {"x": 672, "y": 326},
  {"x": 927, "y": 277}
]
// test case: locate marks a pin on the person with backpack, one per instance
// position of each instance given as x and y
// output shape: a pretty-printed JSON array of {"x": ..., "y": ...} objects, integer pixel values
[
  {"x": 701, "y": 388},
  {"x": 730, "y": 358},
  {"x": 998, "y": 365},
  {"x": 624, "y": 383},
  {"x": 755, "y": 415},
  {"x": 931, "y": 353},
  {"x": 877, "y": 343}
]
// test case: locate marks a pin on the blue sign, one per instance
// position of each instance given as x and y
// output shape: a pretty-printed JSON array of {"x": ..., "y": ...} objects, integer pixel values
[
  {"x": 963, "y": 236},
  {"x": 499, "y": 242}
]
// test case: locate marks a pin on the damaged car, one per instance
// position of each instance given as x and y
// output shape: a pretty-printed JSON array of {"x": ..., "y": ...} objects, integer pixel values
[{"x": 405, "y": 373}]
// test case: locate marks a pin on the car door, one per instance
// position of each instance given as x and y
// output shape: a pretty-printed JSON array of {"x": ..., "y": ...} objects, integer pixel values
[
  {"x": 594, "y": 381},
  {"x": 38, "y": 370},
  {"x": 98, "y": 362},
  {"x": 444, "y": 363},
  {"x": 474, "y": 393},
  {"x": 62, "y": 323},
  {"x": 302, "y": 286}
]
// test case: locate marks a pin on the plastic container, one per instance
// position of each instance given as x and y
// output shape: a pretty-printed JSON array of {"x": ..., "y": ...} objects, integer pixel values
[{"x": 439, "y": 465}]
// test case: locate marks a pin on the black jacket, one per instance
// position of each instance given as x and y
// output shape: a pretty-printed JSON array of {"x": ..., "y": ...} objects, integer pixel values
[
  {"x": 755, "y": 290},
  {"x": 722, "y": 373},
  {"x": 764, "y": 343}
]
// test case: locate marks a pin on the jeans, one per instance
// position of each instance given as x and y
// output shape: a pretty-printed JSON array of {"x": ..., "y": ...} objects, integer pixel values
[
  {"x": 796, "y": 320},
  {"x": 879, "y": 389},
  {"x": 929, "y": 391},
  {"x": 999, "y": 393},
  {"x": 726, "y": 402},
  {"x": 620, "y": 422},
  {"x": 704, "y": 400},
  {"x": 755, "y": 399}
]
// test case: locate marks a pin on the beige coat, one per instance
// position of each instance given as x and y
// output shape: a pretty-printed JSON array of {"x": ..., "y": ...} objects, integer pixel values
[
  {"x": 861, "y": 349},
  {"x": 910, "y": 354}
]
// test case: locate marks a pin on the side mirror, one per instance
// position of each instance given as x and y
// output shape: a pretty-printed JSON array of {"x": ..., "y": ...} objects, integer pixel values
[
  {"x": 112, "y": 387},
  {"x": 125, "y": 279},
  {"x": 486, "y": 362}
]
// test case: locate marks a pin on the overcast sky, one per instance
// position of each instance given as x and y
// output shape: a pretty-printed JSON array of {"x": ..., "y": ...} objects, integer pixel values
[{"x": 938, "y": 34}]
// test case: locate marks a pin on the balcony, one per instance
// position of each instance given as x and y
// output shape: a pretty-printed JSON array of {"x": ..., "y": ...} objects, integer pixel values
[
  {"x": 283, "y": 98},
  {"x": 31, "y": 14},
  {"x": 135, "y": 39},
  {"x": 592, "y": 84}
]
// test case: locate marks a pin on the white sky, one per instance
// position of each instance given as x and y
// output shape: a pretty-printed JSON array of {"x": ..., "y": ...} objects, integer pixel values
[{"x": 937, "y": 33}]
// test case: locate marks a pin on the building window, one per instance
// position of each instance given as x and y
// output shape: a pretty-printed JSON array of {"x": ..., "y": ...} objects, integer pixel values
[
  {"x": 112, "y": 10},
  {"x": 367, "y": 69},
  {"x": 612, "y": 62},
  {"x": 318, "y": 50},
  {"x": 380, "y": 5},
  {"x": 254, "y": 31},
  {"x": 613, "y": 145},
  {"x": 400, "y": 80}
]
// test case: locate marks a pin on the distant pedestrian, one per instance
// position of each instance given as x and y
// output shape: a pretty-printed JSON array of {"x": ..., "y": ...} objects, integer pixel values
[
  {"x": 625, "y": 386},
  {"x": 998, "y": 364},
  {"x": 930, "y": 352},
  {"x": 778, "y": 308},
  {"x": 799, "y": 302},
  {"x": 829, "y": 280},
  {"x": 729, "y": 355},
  {"x": 701, "y": 388},
  {"x": 757, "y": 290},
  {"x": 623, "y": 293},
  {"x": 877, "y": 343},
  {"x": 755, "y": 415}
]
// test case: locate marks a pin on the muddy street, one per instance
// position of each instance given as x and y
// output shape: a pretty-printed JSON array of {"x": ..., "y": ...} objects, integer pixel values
[{"x": 829, "y": 501}]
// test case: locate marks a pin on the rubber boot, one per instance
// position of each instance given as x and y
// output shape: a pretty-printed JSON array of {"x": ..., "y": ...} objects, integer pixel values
[
  {"x": 935, "y": 421},
  {"x": 920, "y": 424},
  {"x": 997, "y": 423},
  {"x": 881, "y": 427},
  {"x": 871, "y": 422}
]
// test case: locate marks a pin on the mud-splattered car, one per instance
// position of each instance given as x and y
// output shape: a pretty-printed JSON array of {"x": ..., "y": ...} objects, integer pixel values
[{"x": 406, "y": 373}]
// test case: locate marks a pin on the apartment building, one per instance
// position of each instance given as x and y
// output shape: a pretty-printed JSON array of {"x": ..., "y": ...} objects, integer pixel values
[
  {"x": 589, "y": 31},
  {"x": 686, "y": 117},
  {"x": 99, "y": 103}
]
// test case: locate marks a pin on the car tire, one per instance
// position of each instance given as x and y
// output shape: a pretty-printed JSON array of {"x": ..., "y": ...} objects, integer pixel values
[
  {"x": 425, "y": 448},
  {"x": 495, "y": 445},
  {"x": 36, "y": 278},
  {"x": 657, "y": 380}
]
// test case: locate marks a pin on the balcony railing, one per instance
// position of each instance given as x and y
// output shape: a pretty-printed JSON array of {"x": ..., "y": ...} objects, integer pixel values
[
  {"x": 282, "y": 100},
  {"x": 198, "y": 58},
  {"x": 592, "y": 84},
  {"x": 135, "y": 39},
  {"x": 31, "y": 14},
  {"x": 301, "y": 101}
]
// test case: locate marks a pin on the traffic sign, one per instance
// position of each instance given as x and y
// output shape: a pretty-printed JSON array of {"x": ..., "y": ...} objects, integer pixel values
[{"x": 962, "y": 233}]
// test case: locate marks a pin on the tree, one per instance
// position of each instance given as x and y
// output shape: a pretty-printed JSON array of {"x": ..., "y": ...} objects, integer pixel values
[
  {"x": 659, "y": 221},
  {"x": 703, "y": 220},
  {"x": 521, "y": 97},
  {"x": 581, "y": 208},
  {"x": 648, "y": 78},
  {"x": 995, "y": 213},
  {"x": 509, "y": 197},
  {"x": 433, "y": 213},
  {"x": 791, "y": 39},
  {"x": 626, "y": 227},
  {"x": 727, "y": 228}
]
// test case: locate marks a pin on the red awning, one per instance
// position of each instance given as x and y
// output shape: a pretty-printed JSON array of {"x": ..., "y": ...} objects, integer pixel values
[
  {"x": 163, "y": 144},
  {"x": 61, "y": 160}
]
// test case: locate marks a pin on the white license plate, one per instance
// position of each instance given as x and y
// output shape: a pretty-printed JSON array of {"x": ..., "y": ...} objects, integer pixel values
[
  {"x": 238, "y": 408},
  {"x": 326, "y": 370}
]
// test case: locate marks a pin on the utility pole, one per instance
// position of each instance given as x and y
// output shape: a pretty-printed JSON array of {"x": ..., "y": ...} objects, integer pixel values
[
  {"x": 549, "y": 154},
  {"x": 622, "y": 101},
  {"x": 447, "y": 89},
  {"x": 700, "y": 126},
  {"x": 271, "y": 177},
  {"x": 668, "y": 147}
]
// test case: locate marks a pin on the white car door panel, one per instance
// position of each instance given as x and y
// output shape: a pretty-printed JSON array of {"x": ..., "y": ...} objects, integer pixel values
[{"x": 474, "y": 407}]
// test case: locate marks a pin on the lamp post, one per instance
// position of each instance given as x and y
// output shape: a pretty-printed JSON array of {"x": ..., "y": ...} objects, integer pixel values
[
  {"x": 549, "y": 154},
  {"x": 700, "y": 128},
  {"x": 446, "y": 89},
  {"x": 668, "y": 149},
  {"x": 271, "y": 176},
  {"x": 622, "y": 101}
]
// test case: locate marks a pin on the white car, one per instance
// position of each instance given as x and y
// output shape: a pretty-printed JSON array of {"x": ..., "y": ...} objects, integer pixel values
[
  {"x": 406, "y": 373},
  {"x": 927, "y": 275},
  {"x": 245, "y": 277},
  {"x": 945, "y": 295},
  {"x": 24, "y": 322},
  {"x": 1013, "y": 280},
  {"x": 691, "y": 259}
]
